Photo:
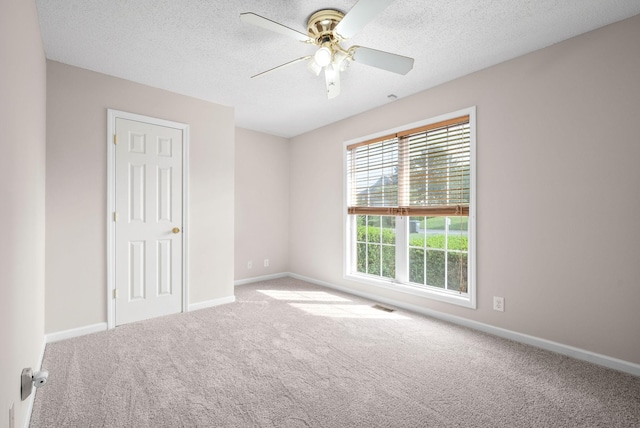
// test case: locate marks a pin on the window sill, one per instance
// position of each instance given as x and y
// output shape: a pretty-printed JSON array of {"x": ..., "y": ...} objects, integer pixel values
[{"x": 464, "y": 300}]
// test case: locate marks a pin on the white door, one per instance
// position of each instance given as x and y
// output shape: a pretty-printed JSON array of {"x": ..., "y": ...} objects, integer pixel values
[{"x": 148, "y": 223}]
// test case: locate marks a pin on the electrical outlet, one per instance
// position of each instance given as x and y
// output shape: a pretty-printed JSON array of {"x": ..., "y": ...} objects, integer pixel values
[
  {"x": 249, "y": 264},
  {"x": 266, "y": 262},
  {"x": 498, "y": 304},
  {"x": 12, "y": 416}
]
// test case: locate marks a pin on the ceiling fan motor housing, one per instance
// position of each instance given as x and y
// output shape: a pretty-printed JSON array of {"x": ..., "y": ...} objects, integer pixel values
[{"x": 321, "y": 25}]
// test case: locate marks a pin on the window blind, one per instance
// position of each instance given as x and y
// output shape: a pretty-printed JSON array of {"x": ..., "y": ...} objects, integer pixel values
[{"x": 418, "y": 172}]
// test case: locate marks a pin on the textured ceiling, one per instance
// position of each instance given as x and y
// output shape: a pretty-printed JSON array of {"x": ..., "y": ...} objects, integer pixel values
[{"x": 201, "y": 48}]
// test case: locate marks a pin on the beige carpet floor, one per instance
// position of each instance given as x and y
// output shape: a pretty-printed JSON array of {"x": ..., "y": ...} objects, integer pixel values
[{"x": 291, "y": 354}]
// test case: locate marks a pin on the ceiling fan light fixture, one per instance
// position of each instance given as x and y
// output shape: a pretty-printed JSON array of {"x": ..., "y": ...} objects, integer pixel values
[
  {"x": 323, "y": 56},
  {"x": 340, "y": 60},
  {"x": 314, "y": 67}
]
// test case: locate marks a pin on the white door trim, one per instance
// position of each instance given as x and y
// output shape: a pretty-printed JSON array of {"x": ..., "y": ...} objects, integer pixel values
[{"x": 112, "y": 115}]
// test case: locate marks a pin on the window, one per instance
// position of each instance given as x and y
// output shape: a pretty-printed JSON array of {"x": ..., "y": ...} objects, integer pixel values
[{"x": 410, "y": 220}]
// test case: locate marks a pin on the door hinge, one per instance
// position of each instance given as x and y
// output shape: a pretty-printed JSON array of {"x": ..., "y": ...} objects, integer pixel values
[
  {"x": 115, "y": 138},
  {"x": 115, "y": 293},
  {"x": 115, "y": 216}
]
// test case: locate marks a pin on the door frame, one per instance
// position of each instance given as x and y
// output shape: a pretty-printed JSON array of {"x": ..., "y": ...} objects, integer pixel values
[{"x": 112, "y": 115}]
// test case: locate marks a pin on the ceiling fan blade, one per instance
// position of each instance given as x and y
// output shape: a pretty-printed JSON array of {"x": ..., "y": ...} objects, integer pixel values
[
  {"x": 359, "y": 15},
  {"x": 286, "y": 64},
  {"x": 270, "y": 25},
  {"x": 332, "y": 78},
  {"x": 384, "y": 60}
]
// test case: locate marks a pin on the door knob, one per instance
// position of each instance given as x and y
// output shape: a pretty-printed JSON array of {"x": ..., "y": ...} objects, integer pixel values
[{"x": 176, "y": 230}]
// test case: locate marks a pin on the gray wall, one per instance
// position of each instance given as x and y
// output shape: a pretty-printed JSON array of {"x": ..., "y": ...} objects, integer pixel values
[
  {"x": 22, "y": 195},
  {"x": 77, "y": 103},
  {"x": 261, "y": 204},
  {"x": 557, "y": 185}
]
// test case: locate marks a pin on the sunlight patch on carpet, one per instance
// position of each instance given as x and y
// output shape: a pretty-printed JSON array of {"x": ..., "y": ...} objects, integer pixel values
[
  {"x": 316, "y": 296},
  {"x": 346, "y": 311}
]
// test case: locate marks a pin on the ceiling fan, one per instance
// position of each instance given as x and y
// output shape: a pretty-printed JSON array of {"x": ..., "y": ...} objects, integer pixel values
[{"x": 326, "y": 29}]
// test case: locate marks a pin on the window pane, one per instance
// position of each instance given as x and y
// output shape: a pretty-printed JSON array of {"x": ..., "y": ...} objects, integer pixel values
[
  {"x": 417, "y": 239},
  {"x": 373, "y": 173},
  {"x": 435, "y": 223},
  {"x": 373, "y": 262},
  {"x": 435, "y": 268},
  {"x": 373, "y": 220},
  {"x": 362, "y": 258},
  {"x": 361, "y": 221},
  {"x": 435, "y": 240},
  {"x": 389, "y": 261},
  {"x": 457, "y": 272},
  {"x": 416, "y": 227},
  {"x": 416, "y": 265},
  {"x": 458, "y": 233},
  {"x": 439, "y": 165},
  {"x": 457, "y": 242},
  {"x": 373, "y": 228},
  {"x": 389, "y": 229},
  {"x": 435, "y": 230}
]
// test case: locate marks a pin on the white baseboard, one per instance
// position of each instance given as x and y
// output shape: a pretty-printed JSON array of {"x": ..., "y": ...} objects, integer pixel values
[
  {"x": 95, "y": 328},
  {"x": 75, "y": 332},
  {"x": 578, "y": 353},
  {"x": 261, "y": 278},
  {"x": 211, "y": 303}
]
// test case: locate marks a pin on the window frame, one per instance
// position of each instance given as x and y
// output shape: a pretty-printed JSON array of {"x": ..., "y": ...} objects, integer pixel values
[{"x": 468, "y": 299}]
